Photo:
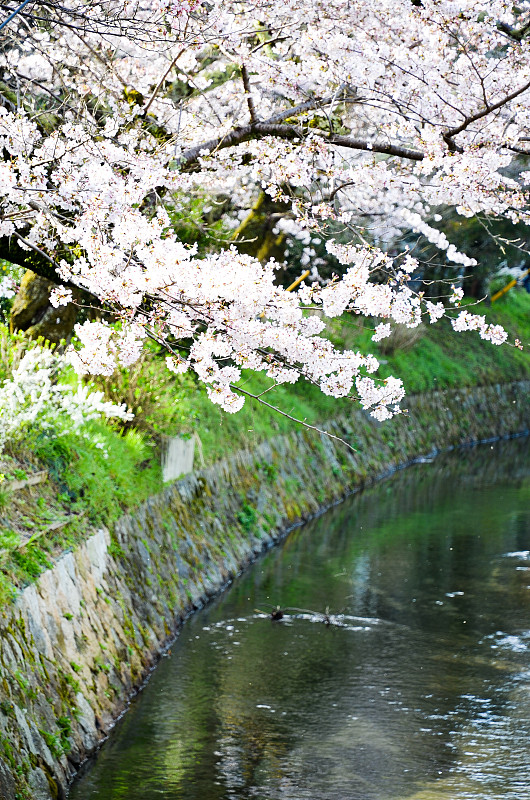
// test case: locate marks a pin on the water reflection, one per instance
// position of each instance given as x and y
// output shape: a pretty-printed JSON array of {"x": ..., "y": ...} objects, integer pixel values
[{"x": 418, "y": 689}]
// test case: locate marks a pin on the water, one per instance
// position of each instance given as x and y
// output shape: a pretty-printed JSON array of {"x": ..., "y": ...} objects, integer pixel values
[{"x": 418, "y": 690}]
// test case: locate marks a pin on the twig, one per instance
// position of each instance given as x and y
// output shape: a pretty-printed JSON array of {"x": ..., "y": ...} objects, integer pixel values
[
  {"x": 54, "y": 526},
  {"x": 161, "y": 81},
  {"x": 289, "y": 416},
  {"x": 34, "y": 247},
  {"x": 15, "y": 12}
]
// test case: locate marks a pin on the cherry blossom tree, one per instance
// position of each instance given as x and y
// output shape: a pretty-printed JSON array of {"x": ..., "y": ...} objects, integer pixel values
[{"x": 361, "y": 116}]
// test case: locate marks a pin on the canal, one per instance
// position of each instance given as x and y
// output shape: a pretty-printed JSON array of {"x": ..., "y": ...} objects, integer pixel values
[{"x": 418, "y": 689}]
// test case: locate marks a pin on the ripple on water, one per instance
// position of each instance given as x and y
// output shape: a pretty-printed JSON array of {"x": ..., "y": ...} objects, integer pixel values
[
  {"x": 515, "y": 643},
  {"x": 523, "y": 555}
]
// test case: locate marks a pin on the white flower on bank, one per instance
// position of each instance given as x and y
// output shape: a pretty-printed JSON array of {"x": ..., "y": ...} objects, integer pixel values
[{"x": 34, "y": 398}]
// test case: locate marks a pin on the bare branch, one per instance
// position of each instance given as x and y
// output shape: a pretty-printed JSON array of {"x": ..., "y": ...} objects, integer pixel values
[
  {"x": 247, "y": 133},
  {"x": 250, "y": 101},
  {"x": 302, "y": 422},
  {"x": 34, "y": 247}
]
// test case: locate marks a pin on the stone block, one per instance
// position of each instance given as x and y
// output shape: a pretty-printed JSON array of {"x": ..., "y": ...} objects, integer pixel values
[{"x": 177, "y": 457}]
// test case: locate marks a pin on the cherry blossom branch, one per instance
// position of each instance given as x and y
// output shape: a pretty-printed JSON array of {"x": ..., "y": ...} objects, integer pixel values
[
  {"x": 247, "y": 133},
  {"x": 95, "y": 191}
]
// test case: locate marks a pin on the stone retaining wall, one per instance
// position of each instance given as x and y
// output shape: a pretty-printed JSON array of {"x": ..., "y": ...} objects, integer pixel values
[{"x": 76, "y": 644}]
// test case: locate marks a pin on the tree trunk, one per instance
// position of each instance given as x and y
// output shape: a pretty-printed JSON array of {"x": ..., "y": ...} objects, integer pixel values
[{"x": 33, "y": 314}]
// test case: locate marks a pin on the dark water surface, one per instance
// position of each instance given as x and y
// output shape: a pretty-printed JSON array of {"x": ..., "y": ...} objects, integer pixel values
[{"x": 420, "y": 691}]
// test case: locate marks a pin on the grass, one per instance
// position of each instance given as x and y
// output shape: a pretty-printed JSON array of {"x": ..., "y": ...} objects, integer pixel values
[
  {"x": 93, "y": 479},
  {"x": 101, "y": 471}
]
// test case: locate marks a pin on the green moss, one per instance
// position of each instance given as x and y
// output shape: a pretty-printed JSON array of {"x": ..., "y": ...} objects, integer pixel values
[
  {"x": 7, "y": 751},
  {"x": 53, "y": 740},
  {"x": 247, "y": 517}
]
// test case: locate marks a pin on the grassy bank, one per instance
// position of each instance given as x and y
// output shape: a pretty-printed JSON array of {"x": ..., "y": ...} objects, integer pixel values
[{"x": 97, "y": 474}]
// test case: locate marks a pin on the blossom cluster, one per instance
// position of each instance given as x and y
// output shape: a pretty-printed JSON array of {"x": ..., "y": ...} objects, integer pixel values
[{"x": 466, "y": 321}]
